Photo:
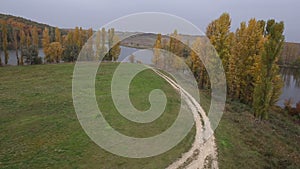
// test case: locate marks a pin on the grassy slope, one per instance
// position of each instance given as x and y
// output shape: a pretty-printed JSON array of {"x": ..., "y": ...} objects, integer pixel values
[
  {"x": 244, "y": 142},
  {"x": 39, "y": 127}
]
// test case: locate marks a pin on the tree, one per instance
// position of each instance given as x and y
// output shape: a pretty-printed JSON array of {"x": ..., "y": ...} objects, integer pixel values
[
  {"x": 55, "y": 52},
  {"x": 269, "y": 83},
  {"x": 22, "y": 46},
  {"x": 80, "y": 38},
  {"x": 157, "y": 47},
  {"x": 32, "y": 47},
  {"x": 57, "y": 35},
  {"x": 70, "y": 53},
  {"x": 46, "y": 42},
  {"x": 131, "y": 58},
  {"x": 76, "y": 37},
  {"x": 244, "y": 62},
  {"x": 100, "y": 44},
  {"x": 28, "y": 40},
  {"x": 116, "y": 49},
  {"x": 111, "y": 35},
  {"x": 197, "y": 65},
  {"x": 175, "y": 46},
  {"x": 218, "y": 32},
  {"x": 16, "y": 46},
  {"x": 35, "y": 39},
  {"x": 71, "y": 49},
  {"x": 5, "y": 42}
]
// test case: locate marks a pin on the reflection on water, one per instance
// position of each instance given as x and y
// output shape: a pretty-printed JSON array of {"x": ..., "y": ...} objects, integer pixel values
[
  {"x": 12, "y": 60},
  {"x": 291, "y": 89}
]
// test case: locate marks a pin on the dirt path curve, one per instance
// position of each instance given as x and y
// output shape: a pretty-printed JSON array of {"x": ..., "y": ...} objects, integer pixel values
[{"x": 203, "y": 153}]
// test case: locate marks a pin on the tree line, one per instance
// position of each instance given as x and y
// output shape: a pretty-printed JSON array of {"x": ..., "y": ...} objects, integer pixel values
[
  {"x": 249, "y": 55},
  {"x": 57, "y": 46}
]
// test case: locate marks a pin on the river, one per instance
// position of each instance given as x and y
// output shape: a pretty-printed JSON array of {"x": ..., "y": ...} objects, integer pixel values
[{"x": 291, "y": 88}]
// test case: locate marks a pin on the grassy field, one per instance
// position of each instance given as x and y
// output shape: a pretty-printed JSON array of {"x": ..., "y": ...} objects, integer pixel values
[
  {"x": 244, "y": 142},
  {"x": 39, "y": 127}
]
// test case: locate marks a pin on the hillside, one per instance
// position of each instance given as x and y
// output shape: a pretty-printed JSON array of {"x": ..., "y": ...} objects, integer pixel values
[{"x": 20, "y": 23}]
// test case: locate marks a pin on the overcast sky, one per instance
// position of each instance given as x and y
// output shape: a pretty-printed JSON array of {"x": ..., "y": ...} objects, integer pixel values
[{"x": 96, "y": 13}]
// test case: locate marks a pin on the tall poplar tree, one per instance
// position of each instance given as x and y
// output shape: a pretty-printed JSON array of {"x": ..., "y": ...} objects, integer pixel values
[
  {"x": 46, "y": 42},
  {"x": 57, "y": 35},
  {"x": 268, "y": 86},
  {"x": 157, "y": 47},
  {"x": 16, "y": 45},
  {"x": 23, "y": 46},
  {"x": 218, "y": 32},
  {"x": 5, "y": 42}
]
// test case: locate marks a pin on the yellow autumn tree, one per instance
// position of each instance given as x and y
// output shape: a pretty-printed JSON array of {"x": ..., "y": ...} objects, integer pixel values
[
  {"x": 157, "y": 60},
  {"x": 22, "y": 46},
  {"x": 55, "y": 52},
  {"x": 197, "y": 66},
  {"x": 46, "y": 42},
  {"x": 218, "y": 31},
  {"x": 116, "y": 49},
  {"x": 57, "y": 35}
]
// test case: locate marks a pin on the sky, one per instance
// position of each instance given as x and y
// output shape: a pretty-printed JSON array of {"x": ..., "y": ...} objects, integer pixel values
[{"x": 96, "y": 13}]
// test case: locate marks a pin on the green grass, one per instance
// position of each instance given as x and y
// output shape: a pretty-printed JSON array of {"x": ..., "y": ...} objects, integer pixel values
[
  {"x": 244, "y": 142},
  {"x": 39, "y": 127}
]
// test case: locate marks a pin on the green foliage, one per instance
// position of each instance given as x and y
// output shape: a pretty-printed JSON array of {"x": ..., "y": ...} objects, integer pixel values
[
  {"x": 70, "y": 53},
  {"x": 113, "y": 45},
  {"x": 250, "y": 57},
  {"x": 268, "y": 87},
  {"x": 31, "y": 56}
]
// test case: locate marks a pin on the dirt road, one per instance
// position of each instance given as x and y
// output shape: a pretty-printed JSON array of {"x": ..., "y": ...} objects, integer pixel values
[{"x": 203, "y": 153}]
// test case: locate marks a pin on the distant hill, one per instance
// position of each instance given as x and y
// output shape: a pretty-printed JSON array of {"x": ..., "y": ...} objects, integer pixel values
[
  {"x": 20, "y": 23},
  {"x": 147, "y": 40}
]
